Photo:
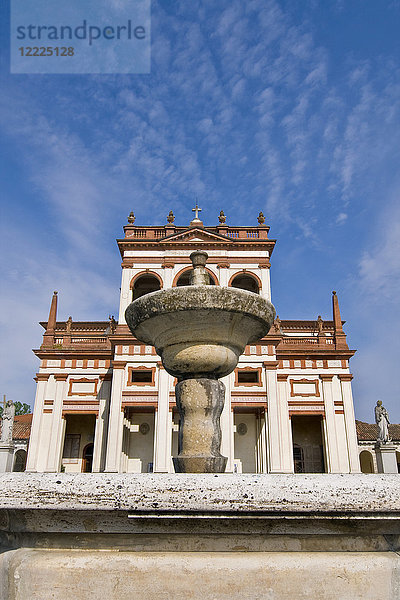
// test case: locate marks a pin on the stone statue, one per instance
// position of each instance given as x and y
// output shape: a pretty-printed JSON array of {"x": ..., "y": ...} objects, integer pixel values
[
  {"x": 7, "y": 422},
  {"x": 171, "y": 217},
  {"x": 382, "y": 420},
  {"x": 113, "y": 323},
  {"x": 69, "y": 325},
  {"x": 277, "y": 325},
  {"x": 320, "y": 324},
  {"x": 222, "y": 218}
]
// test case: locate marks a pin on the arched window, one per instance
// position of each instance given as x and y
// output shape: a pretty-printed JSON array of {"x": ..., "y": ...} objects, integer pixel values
[
  {"x": 366, "y": 462},
  {"x": 19, "y": 461},
  {"x": 145, "y": 284},
  {"x": 244, "y": 281},
  {"x": 184, "y": 279}
]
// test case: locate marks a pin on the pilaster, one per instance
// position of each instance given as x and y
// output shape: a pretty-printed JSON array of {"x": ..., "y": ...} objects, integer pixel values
[
  {"x": 223, "y": 276},
  {"x": 34, "y": 441},
  {"x": 115, "y": 421},
  {"x": 266, "y": 283},
  {"x": 126, "y": 295},
  {"x": 350, "y": 423},
  {"x": 168, "y": 275},
  {"x": 56, "y": 438},
  {"x": 227, "y": 443},
  {"x": 285, "y": 425},
  {"x": 280, "y": 453},
  {"x": 163, "y": 433},
  {"x": 332, "y": 452},
  {"x": 100, "y": 434}
]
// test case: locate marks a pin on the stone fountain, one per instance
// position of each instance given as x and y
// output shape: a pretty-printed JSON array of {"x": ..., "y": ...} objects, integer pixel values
[{"x": 200, "y": 331}]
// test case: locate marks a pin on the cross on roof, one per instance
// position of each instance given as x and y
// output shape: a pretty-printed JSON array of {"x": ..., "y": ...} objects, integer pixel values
[{"x": 196, "y": 211}]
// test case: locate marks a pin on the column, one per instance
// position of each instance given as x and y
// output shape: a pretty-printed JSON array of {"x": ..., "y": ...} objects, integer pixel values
[
  {"x": 34, "y": 440},
  {"x": 100, "y": 434},
  {"x": 350, "y": 422},
  {"x": 163, "y": 432},
  {"x": 331, "y": 448},
  {"x": 56, "y": 437},
  {"x": 226, "y": 421},
  {"x": 115, "y": 421},
  {"x": 280, "y": 450}
]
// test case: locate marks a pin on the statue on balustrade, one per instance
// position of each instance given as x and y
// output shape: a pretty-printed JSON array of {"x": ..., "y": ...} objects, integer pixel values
[
  {"x": 7, "y": 422},
  {"x": 382, "y": 420}
]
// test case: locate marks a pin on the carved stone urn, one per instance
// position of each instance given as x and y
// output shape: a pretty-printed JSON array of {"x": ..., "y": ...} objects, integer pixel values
[{"x": 199, "y": 331}]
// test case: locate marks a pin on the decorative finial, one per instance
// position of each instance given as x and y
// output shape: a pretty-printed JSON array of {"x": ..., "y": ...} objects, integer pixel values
[
  {"x": 55, "y": 293},
  {"x": 196, "y": 211},
  {"x": 131, "y": 218},
  {"x": 222, "y": 217},
  {"x": 261, "y": 218},
  {"x": 171, "y": 217}
]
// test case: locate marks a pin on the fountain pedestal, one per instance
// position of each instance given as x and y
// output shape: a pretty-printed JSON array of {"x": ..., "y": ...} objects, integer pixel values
[{"x": 200, "y": 403}]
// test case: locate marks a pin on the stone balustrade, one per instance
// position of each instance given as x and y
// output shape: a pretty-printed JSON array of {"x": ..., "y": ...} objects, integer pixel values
[{"x": 153, "y": 536}]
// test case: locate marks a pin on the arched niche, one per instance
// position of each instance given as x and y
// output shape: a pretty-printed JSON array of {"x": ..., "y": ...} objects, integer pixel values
[
  {"x": 144, "y": 283},
  {"x": 246, "y": 281},
  {"x": 366, "y": 462},
  {"x": 19, "y": 461}
]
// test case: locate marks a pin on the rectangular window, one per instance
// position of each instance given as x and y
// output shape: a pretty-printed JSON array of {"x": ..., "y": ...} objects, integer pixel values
[
  {"x": 142, "y": 376},
  {"x": 248, "y": 377},
  {"x": 71, "y": 445}
]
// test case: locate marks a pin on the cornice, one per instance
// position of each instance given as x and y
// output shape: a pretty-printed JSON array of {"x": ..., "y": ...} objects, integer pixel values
[{"x": 71, "y": 353}]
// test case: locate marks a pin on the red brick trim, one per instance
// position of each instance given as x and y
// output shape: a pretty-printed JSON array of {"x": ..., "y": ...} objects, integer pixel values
[
  {"x": 326, "y": 377},
  {"x": 271, "y": 364},
  {"x": 83, "y": 380},
  {"x": 119, "y": 364},
  {"x": 146, "y": 272},
  {"x": 282, "y": 377},
  {"x": 345, "y": 377},
  {"x": 257, "y": 370},
  {"x": 294, "y": 381},
  {"x": 250, "y": 274},
  {"x": 141, "y": 368},
  {"x": 61, "y": 376},
  {"x": 42, "y": 377}
]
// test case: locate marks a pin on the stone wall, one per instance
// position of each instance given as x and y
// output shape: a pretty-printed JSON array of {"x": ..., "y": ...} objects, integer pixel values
[{"x": 148, "y": 536}]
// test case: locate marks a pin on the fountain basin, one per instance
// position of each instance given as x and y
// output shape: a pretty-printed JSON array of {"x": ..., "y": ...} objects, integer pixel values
[{"x": 198, "y": 330}]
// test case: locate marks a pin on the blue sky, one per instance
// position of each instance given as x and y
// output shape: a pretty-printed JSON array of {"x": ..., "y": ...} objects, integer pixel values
[{"x": 288, "y": 107}]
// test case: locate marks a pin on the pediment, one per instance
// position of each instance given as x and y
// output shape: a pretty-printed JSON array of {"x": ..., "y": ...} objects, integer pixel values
[{"x": 196, "y": 234}]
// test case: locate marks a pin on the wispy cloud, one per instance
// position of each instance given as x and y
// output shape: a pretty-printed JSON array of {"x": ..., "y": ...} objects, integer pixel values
[{"x": 247, "y": 109}]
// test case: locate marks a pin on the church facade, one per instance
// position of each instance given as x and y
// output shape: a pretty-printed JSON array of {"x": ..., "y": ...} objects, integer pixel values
[{"x": 104, "y": 402}]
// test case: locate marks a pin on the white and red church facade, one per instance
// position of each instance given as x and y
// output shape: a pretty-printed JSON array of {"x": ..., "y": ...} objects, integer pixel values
[{"x": 104, "y": 402}]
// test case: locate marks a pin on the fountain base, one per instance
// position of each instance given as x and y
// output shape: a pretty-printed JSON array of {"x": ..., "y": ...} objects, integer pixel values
[{"x": 200, "y": 464}]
